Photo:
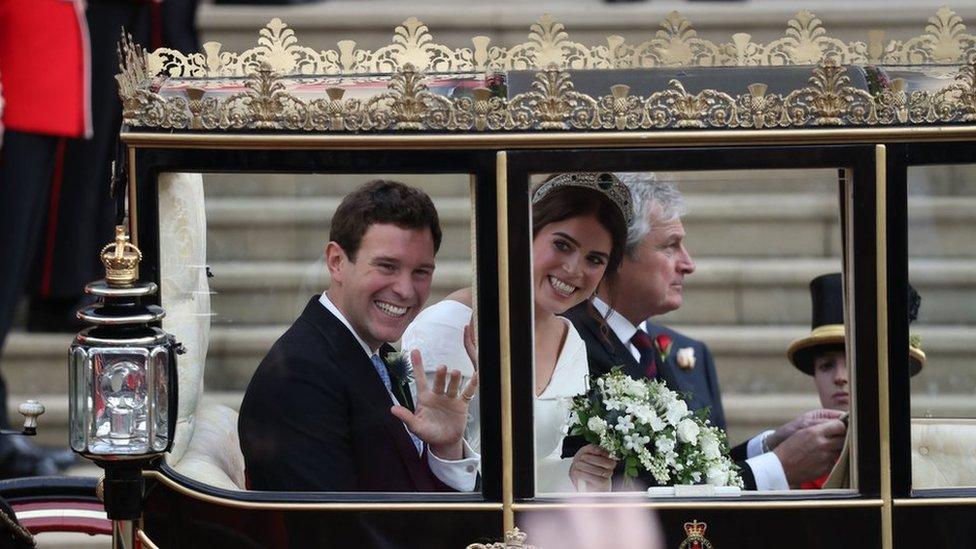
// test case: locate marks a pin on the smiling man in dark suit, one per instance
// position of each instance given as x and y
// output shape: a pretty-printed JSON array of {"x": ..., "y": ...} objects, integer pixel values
[
  {"x": 650, "y": 282},
  {"x": 325, "y": 410}
]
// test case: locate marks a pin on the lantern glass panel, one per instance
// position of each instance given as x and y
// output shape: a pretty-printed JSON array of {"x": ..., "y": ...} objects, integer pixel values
[
  {"x": 79, "y": 370},
  {"x": 159, "y": 383},
  {"x": 121, "y": 401}
]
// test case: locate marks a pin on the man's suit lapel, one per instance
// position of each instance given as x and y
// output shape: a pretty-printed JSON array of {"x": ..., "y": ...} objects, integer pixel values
[
  {"x": 667, "y": 369},
  {"x": 617, "y": 353},
  {"x": 362, "y": 375}
]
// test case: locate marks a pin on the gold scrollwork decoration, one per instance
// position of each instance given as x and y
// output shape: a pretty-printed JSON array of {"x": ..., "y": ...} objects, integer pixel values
[
  {"x": 830, "y": 100},
  {"x": 552, "y": 104},
  {"x": 555, "y": 102},
  {"x": 757, "y": 109},
  {"x": 676, "y": 43},
  {"x": 945, "y": 41},
  {"x": 962, "y": 95},
  {"x": 620, "y": 110},
  {"x": 675, "y": 107},
  {"x": 806, "y": 43}
]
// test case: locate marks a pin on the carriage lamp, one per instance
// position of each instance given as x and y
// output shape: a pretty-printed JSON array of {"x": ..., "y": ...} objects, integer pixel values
[{"x": 122, "y": 376}]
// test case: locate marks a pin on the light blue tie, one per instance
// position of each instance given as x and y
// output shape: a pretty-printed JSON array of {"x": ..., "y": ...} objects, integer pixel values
[{"x": 385, "y": 376}]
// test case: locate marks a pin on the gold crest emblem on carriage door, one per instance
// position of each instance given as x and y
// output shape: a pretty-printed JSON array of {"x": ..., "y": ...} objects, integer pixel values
[{"x": 695, "y": 532}]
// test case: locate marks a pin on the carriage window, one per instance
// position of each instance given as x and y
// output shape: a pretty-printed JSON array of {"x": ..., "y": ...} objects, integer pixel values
[
  {"x": 711, "y": 299},
  {"x": 298, "y": 348},
  {"x": 941, "y": 219}
]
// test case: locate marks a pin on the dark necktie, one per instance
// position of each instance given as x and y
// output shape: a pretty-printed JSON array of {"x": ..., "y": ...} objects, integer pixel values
[{"x": 647, "y": 353}]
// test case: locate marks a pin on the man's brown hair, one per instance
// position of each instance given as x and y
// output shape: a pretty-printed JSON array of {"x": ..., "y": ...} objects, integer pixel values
[{"x": 382, "y": 201}]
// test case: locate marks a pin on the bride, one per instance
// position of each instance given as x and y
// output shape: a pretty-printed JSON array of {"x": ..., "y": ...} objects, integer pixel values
[{"x": 579, "y": 227}]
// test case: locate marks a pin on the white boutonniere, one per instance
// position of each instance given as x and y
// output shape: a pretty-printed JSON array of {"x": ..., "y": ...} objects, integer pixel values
[{"x": 686, "y": 358}]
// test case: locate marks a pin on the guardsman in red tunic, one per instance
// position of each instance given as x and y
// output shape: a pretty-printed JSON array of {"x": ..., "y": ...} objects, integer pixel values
[
  {"x": 63, "y": 116},
  {"x": 81, "y": 214},
  {"x": 44, "y": 76}
]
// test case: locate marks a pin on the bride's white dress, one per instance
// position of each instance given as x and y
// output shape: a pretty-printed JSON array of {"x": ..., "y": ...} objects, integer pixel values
[{"x": 551, "y": 410}]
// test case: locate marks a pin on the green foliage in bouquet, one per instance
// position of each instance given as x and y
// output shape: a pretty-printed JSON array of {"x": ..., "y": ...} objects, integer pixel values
[{"x": 649, "y": 427}]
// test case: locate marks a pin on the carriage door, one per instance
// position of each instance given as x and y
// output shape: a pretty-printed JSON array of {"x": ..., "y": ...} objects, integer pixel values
[{"x": 759, "y": 225}]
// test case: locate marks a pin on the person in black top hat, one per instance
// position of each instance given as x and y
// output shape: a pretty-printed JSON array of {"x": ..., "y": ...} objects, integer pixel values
[{"x": 822, "y": 354}]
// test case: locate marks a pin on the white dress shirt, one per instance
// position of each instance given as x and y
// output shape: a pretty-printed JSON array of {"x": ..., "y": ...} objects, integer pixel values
[
  {"x": 462, "y": 474},
  {"x": 766, "y": 467}
]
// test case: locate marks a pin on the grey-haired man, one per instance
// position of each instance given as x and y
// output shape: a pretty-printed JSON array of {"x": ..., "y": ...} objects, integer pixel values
[{"x": 650, "y": 282}]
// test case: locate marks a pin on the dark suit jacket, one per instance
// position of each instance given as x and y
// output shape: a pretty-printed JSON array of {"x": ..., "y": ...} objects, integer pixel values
[
  {"x": 606, "y": 351},
  {"x": 316, "y": 417},
  {"x": 699, "y": 384}
]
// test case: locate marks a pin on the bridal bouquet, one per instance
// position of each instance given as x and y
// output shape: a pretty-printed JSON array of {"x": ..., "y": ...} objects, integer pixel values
[{"x": 648, "y": 427}]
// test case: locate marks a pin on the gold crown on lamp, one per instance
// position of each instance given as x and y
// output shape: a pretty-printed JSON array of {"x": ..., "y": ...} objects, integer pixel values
[
  {"x": 121, "y": 259},
  {"x": 695, "y": 528}
]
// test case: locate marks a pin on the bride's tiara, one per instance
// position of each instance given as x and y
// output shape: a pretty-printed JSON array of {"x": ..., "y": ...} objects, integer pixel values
[{"x": 604, "y": 182}]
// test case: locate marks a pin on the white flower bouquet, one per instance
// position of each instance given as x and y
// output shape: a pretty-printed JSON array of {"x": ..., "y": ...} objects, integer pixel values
[{"x": 648, "y": 427}]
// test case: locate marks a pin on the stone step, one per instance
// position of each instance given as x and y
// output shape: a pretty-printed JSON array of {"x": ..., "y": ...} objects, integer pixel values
[
  {"x": 766, "y": 291},
  {"x": 731, "y": 291},
  {"x": 822, "y": 181},
  {"x": 34, "y": 364},
  {"x": 318, "y": 185},
  {"x": 931, "y": 182},
  {"x": 276, "y": 292},
  {"x": 749, "y": 359},
  {"x": 939, "y": 181},
  {"x": 752, "y": 359},
  {"x": 739, "y": 225},
  {"x": 291, "y": 228},
  {"x": 808, "y": 225}
]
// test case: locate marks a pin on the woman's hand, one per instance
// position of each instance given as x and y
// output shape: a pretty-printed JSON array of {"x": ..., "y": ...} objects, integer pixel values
[{"x": 592, "y": 469}]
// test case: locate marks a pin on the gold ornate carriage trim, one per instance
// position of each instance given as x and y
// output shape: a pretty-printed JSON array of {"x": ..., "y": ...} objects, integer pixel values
[{"x": 552, "y": 103}]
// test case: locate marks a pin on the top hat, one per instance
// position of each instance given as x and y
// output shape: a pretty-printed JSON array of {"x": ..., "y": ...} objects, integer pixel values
[{"x": 827, "y": 330}]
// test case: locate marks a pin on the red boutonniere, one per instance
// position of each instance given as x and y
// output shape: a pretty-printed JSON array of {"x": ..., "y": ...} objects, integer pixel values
[{"x": 663, "y": 345}]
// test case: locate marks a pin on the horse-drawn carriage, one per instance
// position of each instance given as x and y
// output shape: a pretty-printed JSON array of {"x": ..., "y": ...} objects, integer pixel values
[{"x": 801, "y": 156}]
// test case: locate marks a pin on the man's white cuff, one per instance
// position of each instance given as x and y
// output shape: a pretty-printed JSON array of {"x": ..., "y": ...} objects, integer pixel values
[
  {"x": 755, "y": 447},
  {"x": 461, "y": 474},
  {"x": 768, "y": 471}
]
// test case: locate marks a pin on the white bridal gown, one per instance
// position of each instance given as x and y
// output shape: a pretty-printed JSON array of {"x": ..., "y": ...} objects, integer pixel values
[{"x": 551, "y": 411}]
